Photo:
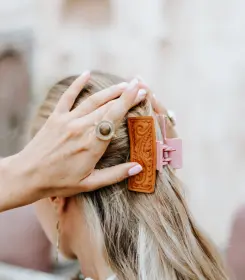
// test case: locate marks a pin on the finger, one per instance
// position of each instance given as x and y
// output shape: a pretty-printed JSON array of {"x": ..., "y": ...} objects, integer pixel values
[
  {"x": 98, "y": 115},
  {"x": 157, "y": 106},
  {"x": 99, "y": 99},
  {"x": 124, "y": 103},
  {"x": 113, "y": 113},
  {"x": 93, "y": 118},
  {"x": 111, "y": 175},
  {"x": 161, "y": 110},
  {"x": 68, "y": 98},
  {"x": 142, "y": 93}
]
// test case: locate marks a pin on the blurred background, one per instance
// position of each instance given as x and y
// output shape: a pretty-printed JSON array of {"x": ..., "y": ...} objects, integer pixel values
[{"x": 191, "y": 53}]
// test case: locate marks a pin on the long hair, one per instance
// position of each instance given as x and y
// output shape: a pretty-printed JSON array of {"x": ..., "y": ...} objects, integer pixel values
[{"x": 145, "y": 236}]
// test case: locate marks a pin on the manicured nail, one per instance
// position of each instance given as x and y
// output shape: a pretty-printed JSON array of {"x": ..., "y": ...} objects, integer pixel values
[
  {"x": 135, "y": 170},
  {"x": 133, "y": 84},
  {"x": 167, "y": 159},
  {"x": 122, "y": 85},
  {"x": 86, "y": 73},
  {"x": 142, "y": 93},
  {"x": 154, "y": 96}
]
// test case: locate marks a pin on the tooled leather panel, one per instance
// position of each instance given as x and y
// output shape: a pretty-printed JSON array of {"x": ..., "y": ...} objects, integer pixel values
[{"x": 142, "y": 138}]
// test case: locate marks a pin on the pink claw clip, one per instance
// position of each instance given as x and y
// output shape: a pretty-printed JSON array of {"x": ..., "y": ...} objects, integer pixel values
[{"x": 169, "y": 151}]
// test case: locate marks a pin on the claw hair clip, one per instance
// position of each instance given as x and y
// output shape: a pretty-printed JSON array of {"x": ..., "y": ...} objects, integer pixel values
[
  {"x": 151, "y": 154},
  {"x": 169, "y": 151}
]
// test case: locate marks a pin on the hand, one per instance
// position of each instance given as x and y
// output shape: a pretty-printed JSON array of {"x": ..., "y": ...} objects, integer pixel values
[
  {"x": 159, "y": 109},
  {"x": 60, "y": 159}
]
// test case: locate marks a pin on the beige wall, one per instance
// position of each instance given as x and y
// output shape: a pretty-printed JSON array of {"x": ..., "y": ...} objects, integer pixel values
[{"x": 191, "y": 53}]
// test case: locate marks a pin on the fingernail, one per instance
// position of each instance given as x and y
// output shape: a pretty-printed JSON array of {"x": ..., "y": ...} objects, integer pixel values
[
  {"x": 133, "y": 84},
  {"x": 142, "y": 93},
  {"x": 122, "y": 85},
  {"x": 154, "y": 96},
  {"x": 86, "y": 73},
  {"x": 135, "y": 170},
  {"x": 167, "y": 159}
]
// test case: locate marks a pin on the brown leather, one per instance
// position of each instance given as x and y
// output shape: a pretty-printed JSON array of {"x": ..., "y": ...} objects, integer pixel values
[{"x": 142, "y": 138}]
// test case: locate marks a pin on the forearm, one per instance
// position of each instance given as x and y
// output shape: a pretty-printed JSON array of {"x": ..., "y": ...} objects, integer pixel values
[{"x": 17, "y": 184}]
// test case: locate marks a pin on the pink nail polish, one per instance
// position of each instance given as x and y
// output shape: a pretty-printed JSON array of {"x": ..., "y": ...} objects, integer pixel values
[
  {"x": 135, "y": 170},
  {"x": 141, "y": 94}
]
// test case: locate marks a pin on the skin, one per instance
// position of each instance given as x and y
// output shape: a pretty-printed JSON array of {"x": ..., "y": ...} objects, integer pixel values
[
  {"x": 45, "y": 167},
  {"x": 76, "y": 240}
]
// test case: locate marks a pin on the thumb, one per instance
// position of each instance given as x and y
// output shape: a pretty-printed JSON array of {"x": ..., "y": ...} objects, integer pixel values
[{"x": 111, "y": 175}]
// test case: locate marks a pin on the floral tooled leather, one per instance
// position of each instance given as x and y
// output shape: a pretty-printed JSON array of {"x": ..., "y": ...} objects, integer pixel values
[{"x": 142, "y": 138}]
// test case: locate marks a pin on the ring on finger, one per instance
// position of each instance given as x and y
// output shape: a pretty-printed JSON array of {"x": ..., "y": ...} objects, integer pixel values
[{"x": 105, "y": 130}]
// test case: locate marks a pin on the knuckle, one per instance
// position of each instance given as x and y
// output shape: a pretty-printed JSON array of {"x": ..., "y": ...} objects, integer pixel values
[
  {"x": 87, "y": 147},
  {"x": 71, "y": 129}
]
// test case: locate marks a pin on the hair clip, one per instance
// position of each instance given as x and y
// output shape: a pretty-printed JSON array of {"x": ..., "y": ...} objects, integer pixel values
[
  {"x": 151, "y": 154},
  {"x": 169, "y": 151},
  {"x": 142, "y": 136}
]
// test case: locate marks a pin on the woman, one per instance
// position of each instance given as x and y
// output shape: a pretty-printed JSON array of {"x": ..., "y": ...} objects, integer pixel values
[
  {"x": 114, "y": 232},
  {"x": 42, "y": 168}
]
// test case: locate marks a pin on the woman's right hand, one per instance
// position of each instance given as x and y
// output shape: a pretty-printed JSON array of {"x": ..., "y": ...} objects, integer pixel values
[
  {"x": 60, "y": 160},
  {"x": 159, "y": 109}
]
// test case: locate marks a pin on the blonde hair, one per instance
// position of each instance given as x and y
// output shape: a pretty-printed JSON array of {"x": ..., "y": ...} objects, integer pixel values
[{"x": 146, "y": 236}]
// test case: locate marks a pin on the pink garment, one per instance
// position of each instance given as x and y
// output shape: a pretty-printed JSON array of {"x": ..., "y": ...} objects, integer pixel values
[
  {"x": 22, "y": 240},
  {"x": 236, "y": 247}
]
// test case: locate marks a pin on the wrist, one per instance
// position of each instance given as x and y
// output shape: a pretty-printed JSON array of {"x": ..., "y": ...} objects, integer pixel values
[
  {"x": 18, "y": 182},
  {"x": 6, "y": 186}
]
